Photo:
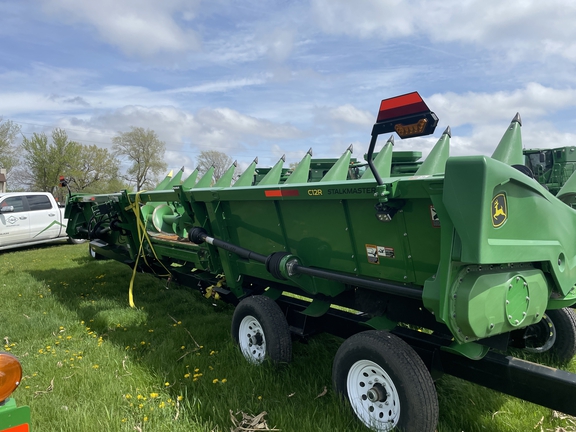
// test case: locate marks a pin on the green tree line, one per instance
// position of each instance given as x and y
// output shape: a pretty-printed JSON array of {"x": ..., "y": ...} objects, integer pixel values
[{"x": 36, "y": 162}]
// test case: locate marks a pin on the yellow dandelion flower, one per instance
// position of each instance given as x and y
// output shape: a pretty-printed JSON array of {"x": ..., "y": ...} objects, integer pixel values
[
  {"x": 140, "y": 397},
  {"x": 224, "y": 380},
  {"x": 180, "y": 397},
  {"x": 128, "y": 396},
  {"x": 166, "y": 383},
  {"x": 153, "y": 395},
  {"x": 183, "y": 347},
  {"x": 142, "y": 343},
  {"x": 215, "y": 380},
  {"x": 161, "y": 404},
  {"x": 196, "y": 370},
  {"x": 95, "y": 367},
  {"x": 259, "y": 397},
  {"x": 187, "y": 375},
  {"x": 145, "y": 418},
  {"x": 140, "y": 406}
]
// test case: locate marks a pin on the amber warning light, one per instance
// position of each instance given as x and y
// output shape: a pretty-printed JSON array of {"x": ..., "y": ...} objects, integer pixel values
[
  {"x": 407, "y": 115},
  {"x": 10, "y": 375}
]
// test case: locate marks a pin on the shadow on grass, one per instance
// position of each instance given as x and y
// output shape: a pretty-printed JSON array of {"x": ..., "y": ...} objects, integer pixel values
[{"x": 174, "y": 330}]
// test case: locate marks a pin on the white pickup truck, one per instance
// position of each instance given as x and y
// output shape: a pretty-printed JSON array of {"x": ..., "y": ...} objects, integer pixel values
[{"x": 30, "y": 218}]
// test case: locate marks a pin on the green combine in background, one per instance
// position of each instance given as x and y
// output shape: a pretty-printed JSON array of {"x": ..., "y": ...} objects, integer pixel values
[{"x": 423, "y": 267}]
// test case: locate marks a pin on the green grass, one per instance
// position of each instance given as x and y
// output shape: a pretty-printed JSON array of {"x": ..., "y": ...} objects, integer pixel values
[{"x": 92, "y": 363}]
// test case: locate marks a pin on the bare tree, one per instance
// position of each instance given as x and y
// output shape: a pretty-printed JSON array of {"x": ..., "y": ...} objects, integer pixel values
[
  {"x": 8, "y": 150},
  {"x": 213, "y": 158},
  {"x": 145, "y": 152}
]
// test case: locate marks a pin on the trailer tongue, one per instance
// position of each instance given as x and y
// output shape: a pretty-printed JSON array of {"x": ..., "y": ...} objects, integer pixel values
[{"x": 470, "y": 250}]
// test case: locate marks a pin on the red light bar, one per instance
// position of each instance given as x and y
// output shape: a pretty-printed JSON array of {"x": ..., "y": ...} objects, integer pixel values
[
  {"x": 281, "y": 192},
  {"x": 400, "y": 106},
  {"x": 407, "y": 115}
]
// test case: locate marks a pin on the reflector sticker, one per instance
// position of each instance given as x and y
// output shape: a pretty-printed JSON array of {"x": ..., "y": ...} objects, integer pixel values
[
  {"x": 372, "y": 253},
  {"x": 281, "y": 192},
  {"x": 499, "y": 210},
  {"x": 386, "y": 252},
  {"x": 19, "y": 428},
  {"x": 434, "y": 217}
]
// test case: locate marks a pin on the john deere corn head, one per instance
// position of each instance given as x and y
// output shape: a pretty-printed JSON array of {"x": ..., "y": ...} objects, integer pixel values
[{"x": 470, "y": 250}]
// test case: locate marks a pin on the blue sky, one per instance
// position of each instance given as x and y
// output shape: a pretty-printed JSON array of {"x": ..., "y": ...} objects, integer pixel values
[{"x": 263, "y": 78}]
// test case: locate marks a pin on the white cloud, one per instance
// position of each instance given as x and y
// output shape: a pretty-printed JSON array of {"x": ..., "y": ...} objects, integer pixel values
[
  {"x": 138, "y": 27},
  {"x": 534, "y": 101},
  {"x": 528, "y": 30},
  {"x": 221, "y": 86},
  {"x": 349, "y": 114},
  {"x": 366, "y": 18}
]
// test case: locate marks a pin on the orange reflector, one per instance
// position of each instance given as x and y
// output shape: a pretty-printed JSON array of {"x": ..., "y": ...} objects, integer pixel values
[
  {"x": 10, "y": 375},
  {"x": 401, "y": 106},
  {"x": 405, "y": 131},
  {"x": 281, "y": 192}
]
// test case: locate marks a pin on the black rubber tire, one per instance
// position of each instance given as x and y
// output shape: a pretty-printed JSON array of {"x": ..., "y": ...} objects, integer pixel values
[
  {"x": 93, "y": 254},
  {"x": 270, "y": 324},
  {"x": 415, "y": 391},
  {"x": 564, "y": 348}
]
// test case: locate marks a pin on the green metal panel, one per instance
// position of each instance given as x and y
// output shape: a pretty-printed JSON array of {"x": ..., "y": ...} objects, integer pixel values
[
  {"x": 382, "y": 161},
  {"x": 436, "y": 160},
  {"x": 247, "y": 176},
  {"x": 12, "y": 416},
  {"x": 190, "y": 180},
  {"x": 509, "y": 149},
  {"x": 339, "y": 171},
  {"x": 273, "y": 176},
  {"x": 301, "y": 173},
  {"x": 176, "y": 180},
  {"x": 226, "y": 179},
  {"x": 206, "y": 180}
]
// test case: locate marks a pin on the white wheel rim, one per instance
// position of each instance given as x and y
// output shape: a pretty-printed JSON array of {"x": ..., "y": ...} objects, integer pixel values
[
  {"x": 251, "y": 339},
  {"x": 373, "y": 396}
]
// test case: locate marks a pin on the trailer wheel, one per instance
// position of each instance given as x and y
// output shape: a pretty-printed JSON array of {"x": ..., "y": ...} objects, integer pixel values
[
  {"x": 261, "y": 330},
  {"x": 555, "y": 332},
  {"x": 386, "y": 383}
]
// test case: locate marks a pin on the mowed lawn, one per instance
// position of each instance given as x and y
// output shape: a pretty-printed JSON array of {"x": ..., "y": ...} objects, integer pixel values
[{"x": 92, "y": 363}]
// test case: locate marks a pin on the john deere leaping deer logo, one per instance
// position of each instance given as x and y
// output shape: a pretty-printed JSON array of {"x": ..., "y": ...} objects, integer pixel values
[{"x": 499, "y": 210}]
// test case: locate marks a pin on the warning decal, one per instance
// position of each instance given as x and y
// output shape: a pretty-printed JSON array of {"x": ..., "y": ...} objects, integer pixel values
[
  {"x": 372, "y": 253},
  {"x": 386, "y": 252},
  {"x": 434, "y": 217}
]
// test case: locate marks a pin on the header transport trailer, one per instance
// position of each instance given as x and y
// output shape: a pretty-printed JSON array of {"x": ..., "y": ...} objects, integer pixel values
[{"x": 436, "y": 272}]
